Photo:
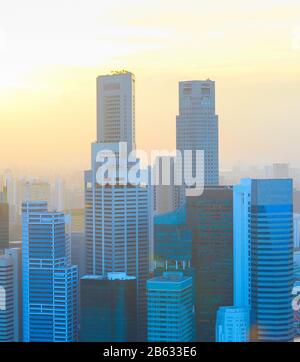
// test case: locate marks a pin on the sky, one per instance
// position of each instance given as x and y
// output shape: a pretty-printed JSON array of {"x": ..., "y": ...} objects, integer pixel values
[{"x": 52, "y": 51}]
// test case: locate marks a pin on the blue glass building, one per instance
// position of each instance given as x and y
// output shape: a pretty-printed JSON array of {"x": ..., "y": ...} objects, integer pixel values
[
  {"x": 263, "y": 256},
  {"x": 210, "y": 217},
  {"x": 232, "y": 324},
  {"x": 50, "y": 282},
  {"x": 108, "y": 308},
  {"x": 170, "y": 308},
  {"x": 172, "y": 241}
]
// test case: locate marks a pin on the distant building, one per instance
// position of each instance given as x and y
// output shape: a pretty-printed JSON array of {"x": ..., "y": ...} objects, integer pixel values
[
  {"x": 10, "y": 296},
  {"x": 108, "y": 308},
  {"x": 59, "y": 196},
  {"x": 78, "y": 252},
  {"x": 34, "y": 190},
  {"x": 263, "y": 256},
  {"x": 4, "y": 221},
  {"x": 210, "y": 218},
  {"x": 197, "y": 128},
  {"x": 116, "y": 108},
  {"x": 77, "y": 220},
  {"x": 170, "y": 308},
  {"x": 233, "y": 324},
  {"x": 281, "y": 170},
  {"x": 164, "y": 188},
  {"x": 50, "y": 282}
]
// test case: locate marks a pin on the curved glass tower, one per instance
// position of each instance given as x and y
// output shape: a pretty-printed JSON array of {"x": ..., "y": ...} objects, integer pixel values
[
  {"x": 272, "y": 259},
  {"x": 263, "y": 247}
]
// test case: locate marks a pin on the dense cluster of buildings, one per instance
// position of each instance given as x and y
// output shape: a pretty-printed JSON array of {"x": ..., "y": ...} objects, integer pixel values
[{"x": 154, "y": 263}]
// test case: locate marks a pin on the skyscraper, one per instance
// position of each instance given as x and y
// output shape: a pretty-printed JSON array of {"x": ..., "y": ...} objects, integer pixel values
[
  {"x": 172, "y": 241},
  {"x": 108, "y": 308},
  {"x": 4, "y": 220},
  {"x": 210, "y": 218},
  {"x": 232, "y": 324},
  {"x": 164, "y": 189},
  {"x": 116, "y": 108},
  {"x": 117, "y": 215},
  {"x": 10, "y": 309},
  {"x": 170, "y": 308},
  {"x": 263, "y": 256},
  {"x": 50, "y": 282},
  {"x": 197, "y": 128}
]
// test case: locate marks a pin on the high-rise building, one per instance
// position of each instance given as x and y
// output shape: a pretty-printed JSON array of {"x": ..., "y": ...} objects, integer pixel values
[
  {"x": 59, "y": 196},
  {"x": 4, "y": 220},
  {"x": 78, "y": 252},
  {"x": 34, "y": 190},
  {"x": 116, "y": 108},
  {"x": 172, "y": 241},
  {"x": 10, "y": 298},
  {"x": 164, "y": 189},
  {"x": 108, "y": 308},
  {"x": 197, "y": 128},
  {"x": 263, "y": 256},
  {"x": 118, "y": 213},
  {"x": 281, "y": 170},
  {"x": 170, "y": 308},
  {"x": 50, "y": 282},
  {"x": 210, "y": 218},
  {"x": 232, "y": 324},
  {"x": 77, "y": 220}
]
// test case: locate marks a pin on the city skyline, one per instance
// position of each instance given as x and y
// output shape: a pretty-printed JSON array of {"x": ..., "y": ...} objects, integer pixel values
[{"x": 149, "y": 172}]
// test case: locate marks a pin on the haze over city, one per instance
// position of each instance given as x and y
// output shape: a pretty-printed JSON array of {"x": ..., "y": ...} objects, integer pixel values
[{"x": 52, "y": 51}]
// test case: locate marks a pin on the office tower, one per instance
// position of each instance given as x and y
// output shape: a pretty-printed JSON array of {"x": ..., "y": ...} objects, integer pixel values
[
  {"x": 116, "y": 108},
  {"x": 210, "y": 218},
  {"x": 78, "y": 252},
  {"x": 164, "y": 189},
  {"x": 10, "y": 298},
  {"x": 50, "y": 282},
  {"x": 118, "y": 214},
  {"x": 118, "y": 235},
  {"x": 59, "y": 195},
  {"x": 4, "y": 220},
  {"x": 77, "y": 220},
  {"x": 170, "y": 308},
  {"x": 232, "y": 324},
  {"x": 34, "y": 190},
  {"x": 263, "y": 256},
  {"x": 108, "y": 308},
  {"x": 197, "y": 128},
  {"x": 172, "y": 241},
  {"x": 281, "y": 170}
]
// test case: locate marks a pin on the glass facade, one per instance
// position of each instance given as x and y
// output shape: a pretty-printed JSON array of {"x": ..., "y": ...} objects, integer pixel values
[
  {"x": 263, "y": 244},
  {"x": 172, "y": 240},
  {"x": 108, "y": 308},
  {"x": 232, "y": 325},
  {"x": 50, "y": 282},
  {"x": 170, "y": 308},
  {"x": 210, "y": 217}
]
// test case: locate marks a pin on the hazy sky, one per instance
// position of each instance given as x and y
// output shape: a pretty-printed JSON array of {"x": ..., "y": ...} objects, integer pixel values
[{"x": 52, "y": 50}]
